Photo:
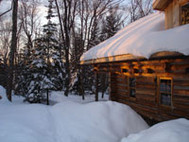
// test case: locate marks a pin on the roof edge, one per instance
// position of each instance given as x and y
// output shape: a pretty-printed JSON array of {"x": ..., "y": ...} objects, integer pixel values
[
  {"x": 124, "y": 57},
  {"x": 161, "y": 4},
  {"x": 128, "y": 57}
]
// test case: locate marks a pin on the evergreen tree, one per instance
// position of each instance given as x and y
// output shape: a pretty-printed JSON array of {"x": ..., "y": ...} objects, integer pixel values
[
  {"x": 23, "y": 77},
  {"x": 41, "y": 81},
  {"x": 54, "y": 51},
  {"x": 47, "y": 65},
  {"x": 111, "y": 24}
]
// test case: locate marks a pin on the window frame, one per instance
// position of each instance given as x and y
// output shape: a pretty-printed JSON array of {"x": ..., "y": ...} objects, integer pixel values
[
  {"x": 181, "y": 11},
  {"x": 159, "y": 91},
  {"x": 131, "y": 87}
]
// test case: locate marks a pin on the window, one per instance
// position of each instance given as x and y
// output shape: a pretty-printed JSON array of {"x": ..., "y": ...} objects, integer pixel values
[
  {"x": 165, "y": 91},
  {"x": 185, "y": 14},
  {"x": 132, "y": 85}
]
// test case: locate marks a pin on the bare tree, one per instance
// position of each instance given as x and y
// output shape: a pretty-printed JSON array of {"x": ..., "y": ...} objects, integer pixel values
[
  {"x": 5, "y": 12},
  {"x": 66, "y": 13},
  {"x": 139, "y": 8},
  {"x": 29, "y": 19},
  {"x": 85, "y": 35},
  {"x": 12, "y": 50},
  {"x": 5, "y": 36},
  {"x": 77, "y": 35}
]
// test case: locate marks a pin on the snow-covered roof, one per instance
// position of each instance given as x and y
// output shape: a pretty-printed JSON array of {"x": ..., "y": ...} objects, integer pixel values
[{"x": 140, "y": 39}]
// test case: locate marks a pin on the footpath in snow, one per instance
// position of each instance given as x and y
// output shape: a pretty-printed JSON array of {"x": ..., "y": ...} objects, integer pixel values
[{"x": 69, "y": 121}]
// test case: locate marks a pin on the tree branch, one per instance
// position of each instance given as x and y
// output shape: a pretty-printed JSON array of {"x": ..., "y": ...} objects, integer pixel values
[{"x": 6, "y": 11}]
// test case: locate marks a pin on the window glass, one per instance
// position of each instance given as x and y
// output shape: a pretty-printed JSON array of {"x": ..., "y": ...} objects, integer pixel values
[
  {"x": 165, "y": 91},
  {"x": 132, "y": 85},
  {"x": 185, "y": 14}
]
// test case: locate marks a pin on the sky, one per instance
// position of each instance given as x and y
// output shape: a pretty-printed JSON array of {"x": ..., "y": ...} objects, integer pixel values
[{"x": 6, "y": 5}]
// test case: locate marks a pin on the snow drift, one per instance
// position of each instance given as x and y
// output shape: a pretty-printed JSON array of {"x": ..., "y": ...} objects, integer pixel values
[
  {"x": 96, "y": 122},
  {"x": 3, "y": 95},
  {"x": 68, "y": 122},
  {"x": 169, "y": 131},
  {"x": 143, "y": 38}
]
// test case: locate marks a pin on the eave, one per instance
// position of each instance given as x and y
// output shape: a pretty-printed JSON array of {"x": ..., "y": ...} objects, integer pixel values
[
  {"x": 117, "y": 58},
  {"x": 161, "y": 4},
  {"x": 130, "y": 57}
]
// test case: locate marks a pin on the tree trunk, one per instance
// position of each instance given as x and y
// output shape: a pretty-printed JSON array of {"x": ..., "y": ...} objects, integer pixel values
[
  {"x": 12, "y": 51},
  {"x": 67, "y": 81},
  {"x": 47, "y": 97},
  {"x": 96, "y": 93}
]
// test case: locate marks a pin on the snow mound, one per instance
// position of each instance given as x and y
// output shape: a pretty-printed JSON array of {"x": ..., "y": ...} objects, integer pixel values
[
  {"x": 143, "y": 38},
  {"x": 68, "y": 122},
  {"x": 3, "y": 97},
  {"x": 169, "y": 131},
  {"x": 95, "y": 122},
  {"x": 25, "y": 123}
]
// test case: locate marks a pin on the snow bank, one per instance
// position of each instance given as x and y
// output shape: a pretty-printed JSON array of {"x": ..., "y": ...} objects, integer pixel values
[
  {"x": 25, "y": 123},
  {"x": 170, "y": 131},
  {"x": 143, "y": 38},
  {"x": 95, "y": 122},
  {"x": 3, "y": 97},
  {"x": 58, "y": 97},
  {"x": 68, "y": 122}
]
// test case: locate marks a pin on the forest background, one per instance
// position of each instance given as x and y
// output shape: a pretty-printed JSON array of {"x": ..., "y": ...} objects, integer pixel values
[{"x": 42, "y": 54}]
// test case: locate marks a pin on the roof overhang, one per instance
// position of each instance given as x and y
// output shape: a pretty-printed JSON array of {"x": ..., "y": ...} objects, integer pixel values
[
  {"x": 161, "y": 4},
  {"x": 125, "y": 57},
  {"x": 130, "y": 57}
]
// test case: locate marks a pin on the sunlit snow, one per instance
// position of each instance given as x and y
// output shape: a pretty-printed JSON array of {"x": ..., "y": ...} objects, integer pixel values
[{"x": 144, "y": 37}]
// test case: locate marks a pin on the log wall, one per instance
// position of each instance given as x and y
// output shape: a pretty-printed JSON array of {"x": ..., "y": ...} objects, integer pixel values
[
  {"x": 173, "y": 13},
  {"x": 147, "y": 74}
]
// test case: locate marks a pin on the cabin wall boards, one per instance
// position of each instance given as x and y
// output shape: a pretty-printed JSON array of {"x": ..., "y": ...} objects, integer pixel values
[
  {"x": 176, "y": 11},
  {"x": 157, "y": 89}
]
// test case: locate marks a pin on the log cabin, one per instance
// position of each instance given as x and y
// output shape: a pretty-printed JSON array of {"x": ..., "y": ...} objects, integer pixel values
[{"x": 148, "y": 62}]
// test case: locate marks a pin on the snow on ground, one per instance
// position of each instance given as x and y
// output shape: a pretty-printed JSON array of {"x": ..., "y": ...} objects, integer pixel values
[
  {"x": 95, "y": 122},
  {"x": 58, "y": 97},
  {"x": 143, "y": 37},
  {"x": 169, "y": 131},
  {"x": 3, "y": 98},
  {"x": 67, "y": 122}
]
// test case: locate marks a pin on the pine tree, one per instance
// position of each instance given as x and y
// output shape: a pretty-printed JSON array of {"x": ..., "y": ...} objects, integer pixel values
[
  {"x": 54, "y": 50},
  {"x": 47, "y": 65},
  {"x": 41, "y": 76},
  {"x": 111, "y": 24},
  {"x": 23, "y": 77}
]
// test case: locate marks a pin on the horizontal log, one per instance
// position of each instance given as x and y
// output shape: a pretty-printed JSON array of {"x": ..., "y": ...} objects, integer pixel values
[
  {"x": 181, "y": 82},
  {"x": 165, "y": 116},
  {"x": 146, "y": 98},
  {"x": 146, "y": 92},
  {"x": 142, "y": 79},
  {"x": 146, "y": 86},
  {"x": 180, "y": 92},
  {"x": 119, "y": 92},
  {"x": 120, "y": 88},
  {"x": 180, "y": 113},
  {"x": 181, "y": 88},
  {"x": 179, "y": 66},
  {"x": 119, "y": 78},
  {"x": 181, "y": 102},
  {"x": 181, "y": 106},
  {"x": 119, "y": 84}
]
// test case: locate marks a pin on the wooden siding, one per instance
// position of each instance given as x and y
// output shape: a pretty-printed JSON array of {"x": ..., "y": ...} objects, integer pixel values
[
  {"x": 161, "y": 4},
  {"x": 173, "y": 13},
  {"x": 147, "y": 74}
]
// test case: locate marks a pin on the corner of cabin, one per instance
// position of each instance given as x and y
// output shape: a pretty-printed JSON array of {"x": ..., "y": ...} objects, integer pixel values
[
  {"x": 161, "y": 4},
  {"x": 151, "y": 77},
  {"x": 176, "y": 12}
]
